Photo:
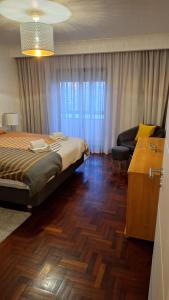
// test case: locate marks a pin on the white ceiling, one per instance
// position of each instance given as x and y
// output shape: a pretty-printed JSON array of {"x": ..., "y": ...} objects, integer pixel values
[{"x": 97, "y": 19}]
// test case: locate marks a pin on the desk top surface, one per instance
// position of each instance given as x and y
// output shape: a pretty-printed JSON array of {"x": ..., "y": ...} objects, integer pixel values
[{"x": 148, "y": 154}]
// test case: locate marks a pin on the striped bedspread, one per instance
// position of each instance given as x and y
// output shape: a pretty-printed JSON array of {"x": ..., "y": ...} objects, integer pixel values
[
  {"x": 22, "y": 140},
  {"x": 18, "y": 163}
]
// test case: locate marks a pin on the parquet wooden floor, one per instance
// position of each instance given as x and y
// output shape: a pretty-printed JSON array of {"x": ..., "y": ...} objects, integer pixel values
[{"x": 73, "y": 247}]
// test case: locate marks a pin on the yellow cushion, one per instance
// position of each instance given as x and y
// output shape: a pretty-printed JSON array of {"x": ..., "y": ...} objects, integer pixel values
[{"x": 145, "y": 131}]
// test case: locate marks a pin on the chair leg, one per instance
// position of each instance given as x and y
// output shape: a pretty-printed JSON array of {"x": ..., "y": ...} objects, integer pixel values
[
  {"x": 125, "y": 166},
  {"x": 115, "y": 167},
  {"x": 120, "y": 166}
]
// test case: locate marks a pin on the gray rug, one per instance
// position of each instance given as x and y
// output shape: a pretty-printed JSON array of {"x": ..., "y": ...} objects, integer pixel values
[{"x": 10, "y": 220}]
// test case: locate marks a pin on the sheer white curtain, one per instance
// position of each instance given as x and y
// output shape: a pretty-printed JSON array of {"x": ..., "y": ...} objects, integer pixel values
[{"x": 80, "y": 98}]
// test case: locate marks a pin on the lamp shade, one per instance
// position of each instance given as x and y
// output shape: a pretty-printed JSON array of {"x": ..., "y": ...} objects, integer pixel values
[
  {"x": 37, "y": 39},
  {"x": 11, "y": 119}
]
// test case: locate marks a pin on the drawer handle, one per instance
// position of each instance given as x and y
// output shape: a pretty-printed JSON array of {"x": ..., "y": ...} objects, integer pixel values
[{"x": 153, "y": 172}]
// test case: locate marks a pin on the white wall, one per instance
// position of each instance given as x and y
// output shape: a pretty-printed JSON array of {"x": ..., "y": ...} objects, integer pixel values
[
  {"x": 9, "y": 90},
  {"x": 159, "y": 287},
  {"x": 116, "y": 44}
]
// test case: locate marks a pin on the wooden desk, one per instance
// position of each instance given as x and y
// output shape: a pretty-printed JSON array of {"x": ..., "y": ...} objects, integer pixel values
[{"x": 143, "y": 191}]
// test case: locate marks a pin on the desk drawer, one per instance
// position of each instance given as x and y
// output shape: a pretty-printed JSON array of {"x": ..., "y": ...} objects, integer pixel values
[{"x": 142, "y": 203}]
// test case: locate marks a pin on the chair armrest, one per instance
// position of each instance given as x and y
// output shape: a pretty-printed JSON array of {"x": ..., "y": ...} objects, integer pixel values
[
  {"x": 128, "y": 135},
  {"x": 159, "y": 132}
]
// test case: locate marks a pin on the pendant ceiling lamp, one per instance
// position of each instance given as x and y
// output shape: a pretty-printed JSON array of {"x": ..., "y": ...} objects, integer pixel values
[
  {"x": 35, "y": 18},
  {"x": 37, "y": 39}
]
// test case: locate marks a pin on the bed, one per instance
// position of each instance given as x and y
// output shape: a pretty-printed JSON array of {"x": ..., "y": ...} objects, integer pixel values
[{"x": 28, "y": 178}]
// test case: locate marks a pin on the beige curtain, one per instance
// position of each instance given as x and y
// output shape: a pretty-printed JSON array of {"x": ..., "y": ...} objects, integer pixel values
[
  {"x": 137, "y": 86},
  {"x": 128, "y": 89},
  {"x": 32, "y": 84},
  {"x": 155, "y": 85},
  {"x": 140, "y": 83}
]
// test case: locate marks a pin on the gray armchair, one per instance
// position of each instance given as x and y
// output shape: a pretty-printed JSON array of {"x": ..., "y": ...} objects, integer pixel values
[{"x": 127, "y": 138}]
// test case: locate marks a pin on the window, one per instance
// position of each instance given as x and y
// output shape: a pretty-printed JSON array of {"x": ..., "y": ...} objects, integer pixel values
[
  {"x": 82, "y": 109},
  {"x": 85, "y": 99}
]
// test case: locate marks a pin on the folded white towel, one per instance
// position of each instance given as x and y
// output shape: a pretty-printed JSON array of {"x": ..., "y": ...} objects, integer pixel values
[
  {"x": 56, "y": 136},
  {"x": 37, "y": 144},
  {"x": 39, "y": 150}
]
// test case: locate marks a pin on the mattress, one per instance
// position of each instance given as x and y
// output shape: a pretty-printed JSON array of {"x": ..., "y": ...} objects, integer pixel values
[{"x": 70, "y": 150}]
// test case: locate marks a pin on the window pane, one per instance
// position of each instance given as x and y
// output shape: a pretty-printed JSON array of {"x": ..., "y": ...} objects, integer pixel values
[{"x": 82, "y": 110}]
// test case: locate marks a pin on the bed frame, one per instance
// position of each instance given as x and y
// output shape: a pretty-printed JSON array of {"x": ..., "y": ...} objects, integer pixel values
[{"x": 21, "y": 196}]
